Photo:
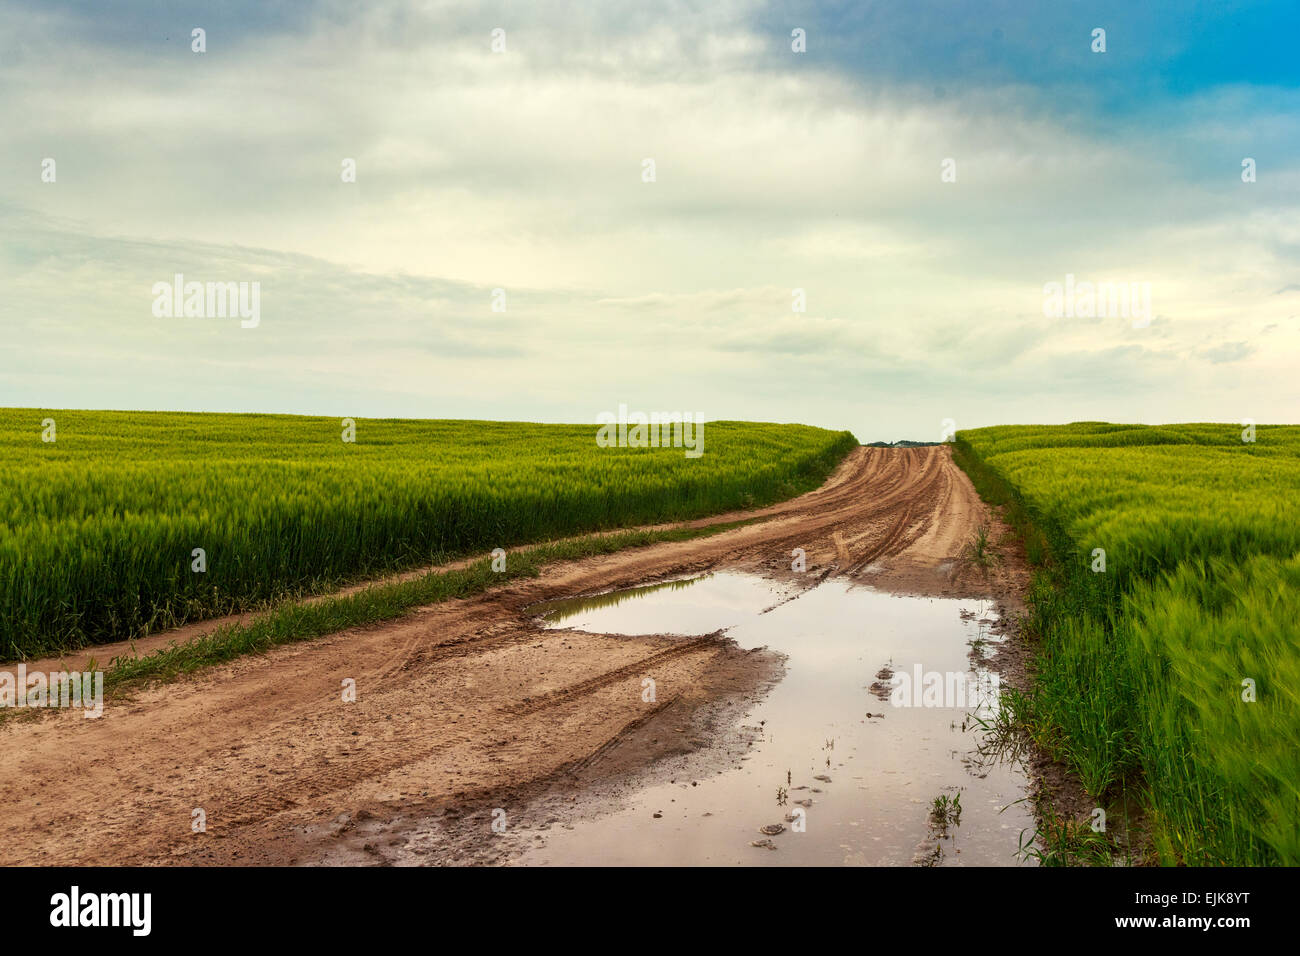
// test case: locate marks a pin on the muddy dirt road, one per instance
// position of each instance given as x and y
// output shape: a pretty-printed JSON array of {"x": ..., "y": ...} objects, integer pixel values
[{"x": 460, "y": 707}]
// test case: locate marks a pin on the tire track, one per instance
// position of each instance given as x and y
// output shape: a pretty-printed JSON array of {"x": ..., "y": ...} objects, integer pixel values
[{"x": 583, "y": 688}]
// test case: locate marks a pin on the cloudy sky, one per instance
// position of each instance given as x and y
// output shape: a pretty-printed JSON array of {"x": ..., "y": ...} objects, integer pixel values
[{"x": 774, "y": 170}]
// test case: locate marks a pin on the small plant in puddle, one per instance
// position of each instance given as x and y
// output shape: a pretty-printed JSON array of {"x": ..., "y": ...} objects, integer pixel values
[
  {"x": 782, "y": 794},
  {"x": 1005, "y": 732},
  {"x": 945, "y": 813}
]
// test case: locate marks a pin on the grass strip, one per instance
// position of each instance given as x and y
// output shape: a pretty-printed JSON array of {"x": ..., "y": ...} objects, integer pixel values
[{"x": 293, "y": 621}]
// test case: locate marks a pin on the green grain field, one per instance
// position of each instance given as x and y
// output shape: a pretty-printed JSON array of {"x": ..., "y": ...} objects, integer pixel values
[
  {"x": 1173, "y": 675},
  {"x": 98, "y": 527}
]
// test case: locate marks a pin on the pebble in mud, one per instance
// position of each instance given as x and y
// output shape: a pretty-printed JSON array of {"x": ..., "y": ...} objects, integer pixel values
[
  {"x": 772, "y": 829},
  {"x": 764, "y": 844}
]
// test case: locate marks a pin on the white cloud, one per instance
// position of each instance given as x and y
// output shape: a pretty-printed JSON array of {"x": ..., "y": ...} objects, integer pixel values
[{"x": 523, "y": 171}]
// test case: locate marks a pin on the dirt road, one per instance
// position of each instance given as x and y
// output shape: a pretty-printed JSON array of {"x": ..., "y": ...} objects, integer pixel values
[{"x": 460, "y": 707}]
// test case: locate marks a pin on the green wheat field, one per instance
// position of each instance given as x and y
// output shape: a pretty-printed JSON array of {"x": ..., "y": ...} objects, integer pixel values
[
  {"x": 98, "y": 527},
  {"x": 1172, "y": 675}
]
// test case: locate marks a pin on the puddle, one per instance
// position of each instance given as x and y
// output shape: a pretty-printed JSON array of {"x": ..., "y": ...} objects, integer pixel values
[
  {"x": 845, "y": 787},
  {"x": 714, "y": 602}
]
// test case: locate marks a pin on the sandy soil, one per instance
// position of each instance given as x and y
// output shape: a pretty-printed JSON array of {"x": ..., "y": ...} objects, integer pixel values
[{"x": 460, "y": 707}]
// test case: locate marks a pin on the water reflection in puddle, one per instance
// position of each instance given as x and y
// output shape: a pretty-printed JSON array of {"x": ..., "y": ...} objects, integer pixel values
[
  {"x": 715, "y": 601},
  {"x": 866, "y": 786}
]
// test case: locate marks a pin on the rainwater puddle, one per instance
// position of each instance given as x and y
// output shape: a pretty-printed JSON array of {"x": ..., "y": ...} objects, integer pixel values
[
  {"x": 691, "y": 606},
  {"x": 847, "y": 788}
]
